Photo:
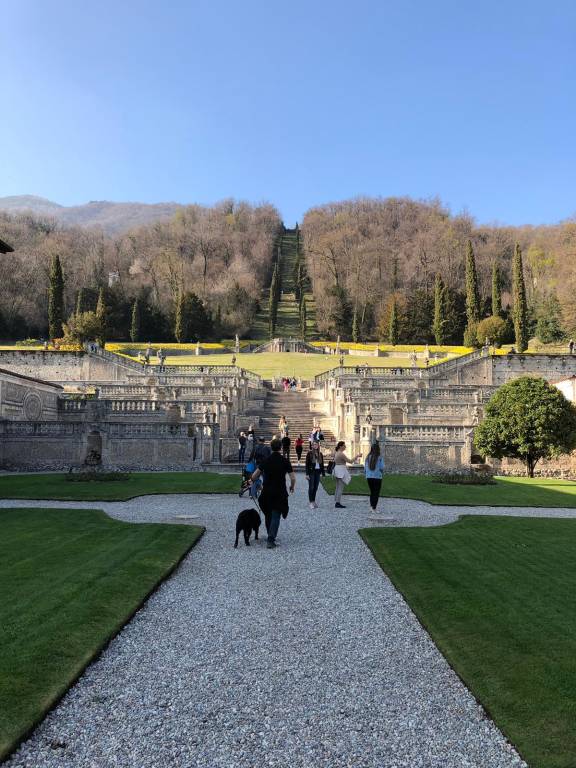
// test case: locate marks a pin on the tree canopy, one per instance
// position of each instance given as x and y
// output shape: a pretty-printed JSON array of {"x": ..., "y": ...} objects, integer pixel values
[{"x": 527, "y": 419}]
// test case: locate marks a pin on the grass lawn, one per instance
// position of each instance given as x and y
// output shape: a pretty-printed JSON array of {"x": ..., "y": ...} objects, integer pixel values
[
  {"x": 277, "y": 364},
  {"x": 55, "y": 486},
  {"x": 497, "y": 596},
  {"x": 69, "y": 581},
  {"x": 508, "y": 491}
]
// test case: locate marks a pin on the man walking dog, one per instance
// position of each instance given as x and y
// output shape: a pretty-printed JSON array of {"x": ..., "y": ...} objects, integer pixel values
[{"x": 274, "y": 497}]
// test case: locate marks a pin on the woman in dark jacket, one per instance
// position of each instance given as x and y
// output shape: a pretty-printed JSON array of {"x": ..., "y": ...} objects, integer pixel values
[{"x": 314, "y": 469}]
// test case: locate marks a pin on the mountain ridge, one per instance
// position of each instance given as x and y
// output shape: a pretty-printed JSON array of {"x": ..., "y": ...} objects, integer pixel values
[{"x": 112, "y": 217}]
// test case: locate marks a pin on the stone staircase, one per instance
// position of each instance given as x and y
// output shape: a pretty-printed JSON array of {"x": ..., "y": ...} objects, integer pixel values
[{"x": 295, "y": 405}]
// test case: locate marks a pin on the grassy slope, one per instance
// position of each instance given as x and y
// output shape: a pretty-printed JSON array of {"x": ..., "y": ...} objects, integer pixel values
[
  {"x": 55, "y": 486},
  {"x": 69, "y": 580},
  {"x": 268, "y": 364},
  {"x": 508, "y": 491},
  {"x": 496, "y": 595}
]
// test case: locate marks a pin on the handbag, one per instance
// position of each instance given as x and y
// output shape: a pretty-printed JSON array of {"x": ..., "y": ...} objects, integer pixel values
[{"x": 330, "y": 467}]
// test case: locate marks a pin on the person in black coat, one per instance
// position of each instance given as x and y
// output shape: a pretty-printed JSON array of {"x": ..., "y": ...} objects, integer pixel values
[
  {"x": 274, "y": 497},
  {"x": 314, "y": 470},
  {"x": 286, "y": 446}
]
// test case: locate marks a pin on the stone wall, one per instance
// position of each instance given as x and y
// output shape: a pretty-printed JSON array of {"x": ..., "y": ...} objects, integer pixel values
[
  {"x": 61, "y": 366},
  {"x": 23, "y": 398},
  {"x": 149, "y": 446}
]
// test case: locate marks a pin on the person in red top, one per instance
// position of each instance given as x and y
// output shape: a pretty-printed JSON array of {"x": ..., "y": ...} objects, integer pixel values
[{"x": 299, "y": 445}]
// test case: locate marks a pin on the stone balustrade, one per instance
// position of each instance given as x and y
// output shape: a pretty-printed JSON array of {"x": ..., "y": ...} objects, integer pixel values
[{"x": 127, "y": 446}]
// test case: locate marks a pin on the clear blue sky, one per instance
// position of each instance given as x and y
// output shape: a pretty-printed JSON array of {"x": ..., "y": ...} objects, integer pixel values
[{"x": 298, "y": 103}]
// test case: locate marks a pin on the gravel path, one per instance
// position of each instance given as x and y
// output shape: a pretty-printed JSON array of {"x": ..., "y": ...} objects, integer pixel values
[{"x": 300, "y": 656}]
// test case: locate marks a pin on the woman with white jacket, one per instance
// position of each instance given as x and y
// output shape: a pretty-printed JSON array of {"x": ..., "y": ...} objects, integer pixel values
[{"x": 341, "y": 473}]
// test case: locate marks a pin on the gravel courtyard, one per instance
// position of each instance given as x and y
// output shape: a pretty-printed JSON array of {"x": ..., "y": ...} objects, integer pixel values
[{"x": 300, "y": 656}]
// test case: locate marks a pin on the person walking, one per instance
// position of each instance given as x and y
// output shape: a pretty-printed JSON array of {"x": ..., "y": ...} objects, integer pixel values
[
  {"x": 571, "y": 347},
  {"x": 299, "y": 445},
  {"x": 314, "y": 470},
  {"x": 282, "y": 425},
  {"x": 286, "y": 446},
  {"x": 373, "y": 469},
  {"x": 241, "y": 447},
  {"x": 341, "y": 474},
  {"x": 274, "y": 497},
  {"x": 250, "y": 445}
]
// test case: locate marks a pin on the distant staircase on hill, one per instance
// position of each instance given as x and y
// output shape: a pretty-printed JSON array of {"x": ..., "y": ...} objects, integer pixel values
[{"x": 288, "y": 321}]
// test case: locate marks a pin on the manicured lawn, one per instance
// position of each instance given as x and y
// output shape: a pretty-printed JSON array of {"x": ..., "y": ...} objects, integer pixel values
[
  {"x": 497, "y": 596},
  {"x": 508, "y": 491},
  {"x": 55, "y": 486},
  {"x": 276, "y": 364},
  {"x": 69, "y": 581}
]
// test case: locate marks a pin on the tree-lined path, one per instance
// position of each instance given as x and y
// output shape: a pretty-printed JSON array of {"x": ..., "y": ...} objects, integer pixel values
[
  {"x": 288, "y": 317},
  {"x": 301, "y": 656}
]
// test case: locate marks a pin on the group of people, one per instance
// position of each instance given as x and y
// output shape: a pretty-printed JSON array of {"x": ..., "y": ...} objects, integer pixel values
[
  {"x": 144, "y": 356},
  {"x": 271, "y": 467},
  {"x": 288, "y": 382}
]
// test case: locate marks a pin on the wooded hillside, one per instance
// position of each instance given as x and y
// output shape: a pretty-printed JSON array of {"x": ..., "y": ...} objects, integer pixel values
[
  {"x": 222, "y": 254},
  {"x": 368, "y": 257}
]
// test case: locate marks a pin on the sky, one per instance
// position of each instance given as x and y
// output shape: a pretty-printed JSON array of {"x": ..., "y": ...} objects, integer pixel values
[{"x": 296, "y": 103}]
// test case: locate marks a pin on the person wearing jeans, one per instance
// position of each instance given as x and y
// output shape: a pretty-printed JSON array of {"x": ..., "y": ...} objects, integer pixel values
[
  {"x": 274, "y": 497},
  {"x": 314, "y": 470},
  {"x": 341, "y": 474},
  {"x": 373, "y": 469}
]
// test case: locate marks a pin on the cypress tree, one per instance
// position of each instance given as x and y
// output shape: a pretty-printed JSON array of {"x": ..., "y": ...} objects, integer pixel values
[
  {"x": 303, "y": 318},
  {"x": 197, "y": 318},
  {"x": 472, "y": 298},
  {"x": 355, "y": 325},
  {"x": 439, "y": 324},
  {"x": 520, "y": 306},
  {"x": 179, "y": 318},
  {"x": 393, "y": 328},
  {"x": 81, "y": 302},
  {"x": 101, "y": 315},
  {"x": 136, "y": 324},
  {"x": 56, "y": 299},
  {"x": 496, "y": 291}
]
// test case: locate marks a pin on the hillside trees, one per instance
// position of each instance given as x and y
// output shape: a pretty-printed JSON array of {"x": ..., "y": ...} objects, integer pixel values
[{"x": 214, "y": 251}]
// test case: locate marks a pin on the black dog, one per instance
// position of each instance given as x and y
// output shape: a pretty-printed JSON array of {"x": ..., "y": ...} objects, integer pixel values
[{"x": 247, "y": 521}]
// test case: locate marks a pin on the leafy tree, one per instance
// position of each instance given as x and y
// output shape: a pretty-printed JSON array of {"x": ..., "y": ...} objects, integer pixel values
[
  {"x": 341, "y": 313},
  {"x": 520, "y": 305},
  {"x": 549, "y": 323},
  {"x": 472, "y": 298},
  {"x": 492, "y": 328},
  {"x": 136, "y": 324},
  {"x": 439, "y": 325},
  {"x": 393, "y": 329},
  {"x": 527, "y": 419},
  {"x": 82, "y": 327},
  {"x": 102, "y": 315},
  {"x": 198, "y": 320},
  {"x": 55, "y": 299},
  {"x": 455, "y": 313},
  {"x": 496, "y": 291},
  {"x": 416, "y": 327}
]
